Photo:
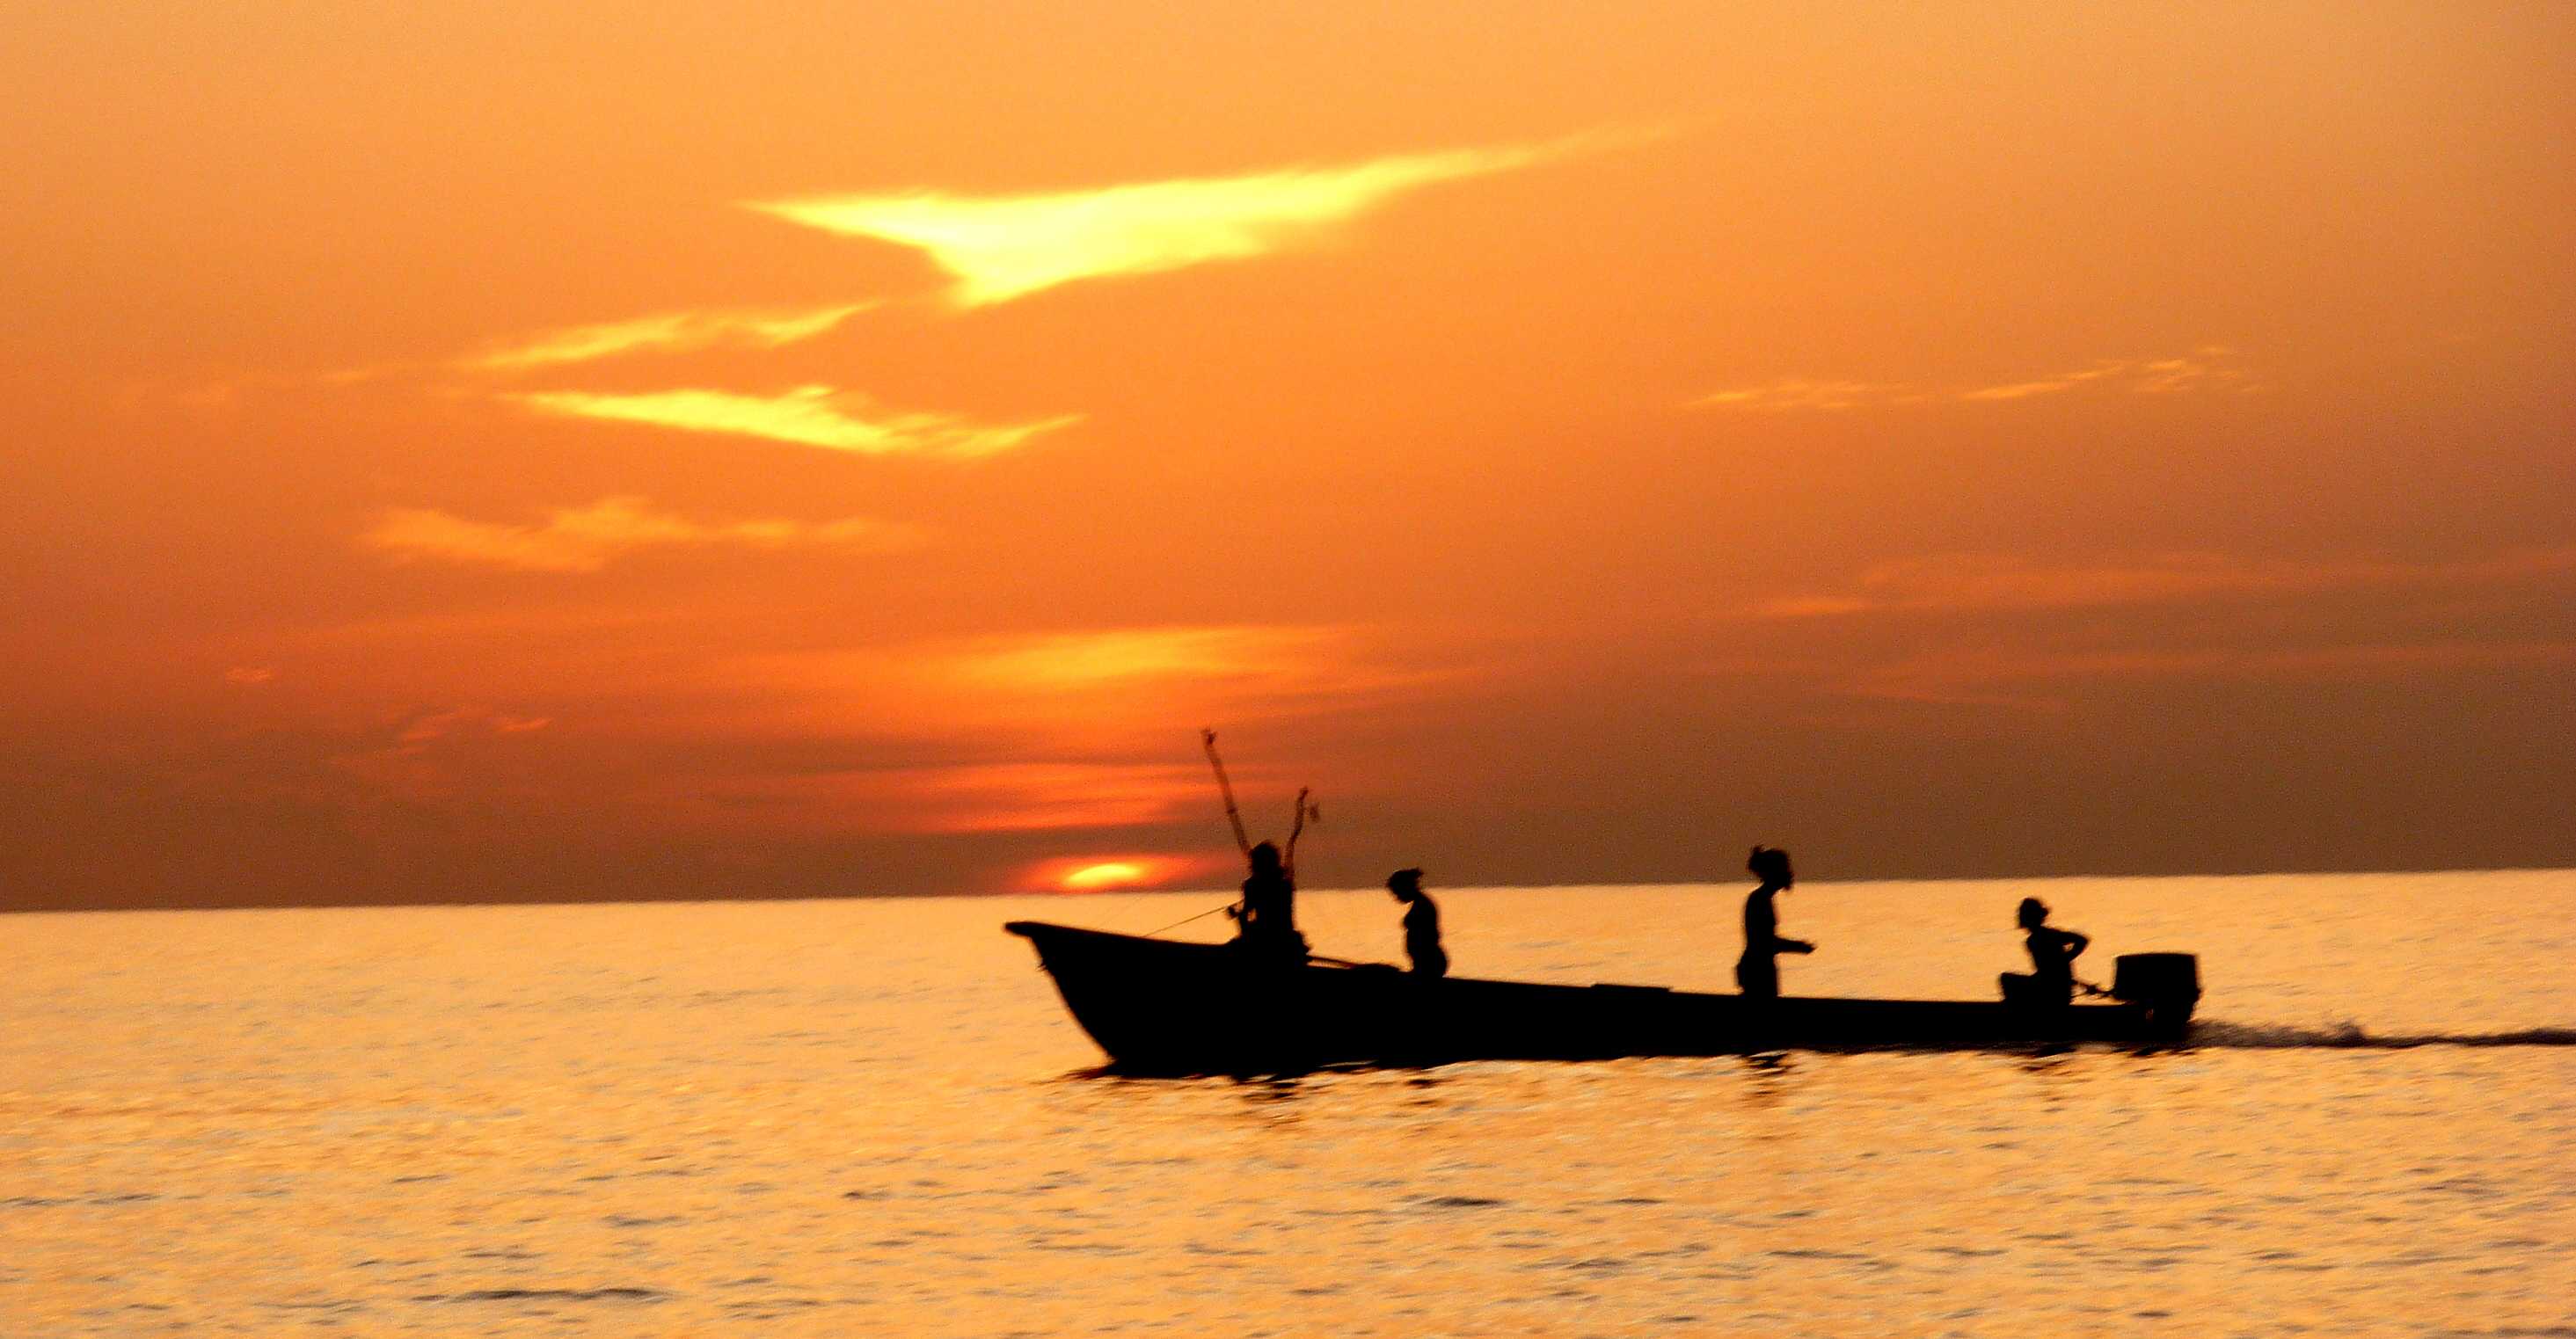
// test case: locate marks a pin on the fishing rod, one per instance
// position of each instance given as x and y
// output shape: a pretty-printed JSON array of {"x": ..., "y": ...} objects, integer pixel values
[
  {"x": 1187, "y": 919},
  {"x": 1306, "y": 811},
  {"x": 1233, "y": 815},
  {"x": 1242, "y": 839},
  {"x": 1311, "y": 957}
]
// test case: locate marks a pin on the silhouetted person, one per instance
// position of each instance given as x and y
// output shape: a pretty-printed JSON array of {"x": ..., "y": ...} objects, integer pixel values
[
  {"x": 1421, "y": 923},
  {"x": 1268, "y": 911},
  {"x": 2051, "y": 981},
  {"x": 1756, "y": 973}
]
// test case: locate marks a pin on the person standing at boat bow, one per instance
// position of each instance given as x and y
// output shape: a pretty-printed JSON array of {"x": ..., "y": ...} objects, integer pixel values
[{"x": 1757, "y": 973}]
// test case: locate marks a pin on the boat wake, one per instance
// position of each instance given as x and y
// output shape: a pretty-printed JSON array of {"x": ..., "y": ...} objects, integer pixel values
[{"x": 2352, "y": 1036}]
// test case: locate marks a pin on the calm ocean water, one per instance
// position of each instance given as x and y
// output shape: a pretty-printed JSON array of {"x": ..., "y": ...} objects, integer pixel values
[{"x": 872, "y": 1118}]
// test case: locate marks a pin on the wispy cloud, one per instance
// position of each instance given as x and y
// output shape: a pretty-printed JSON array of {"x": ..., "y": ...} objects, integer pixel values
[
  {"x": 1085, "y": 661},
  {"x": 586, "y": 539},
  {"x": 1796, "y": 393},
  {"x": 1060, "y": 731},
  {"x": 1072, "y": 695},
  {"x": 1004, "y": 247},
  {"x": 976, "y": 797},
  {"x": 1040, "y": 675},
  {"x": 2051, "y": 680},
  {"x": 2212, "y": 367},
  {"x": 421, "y": 730},
  {"x": 816, "y": 416},
  {"x": 418, "y": 757},
  {"x": 1991, "y": 582},
  {"x": 666, "y": 332}
]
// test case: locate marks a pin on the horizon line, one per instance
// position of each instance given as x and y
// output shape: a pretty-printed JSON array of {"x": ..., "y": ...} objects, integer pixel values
[{"x": 161, "y": 909}]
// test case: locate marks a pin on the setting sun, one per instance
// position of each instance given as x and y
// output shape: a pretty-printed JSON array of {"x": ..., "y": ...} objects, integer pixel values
[
  {"x": 1105, "y": 875},
  {"x": 1094, "y": 874}
]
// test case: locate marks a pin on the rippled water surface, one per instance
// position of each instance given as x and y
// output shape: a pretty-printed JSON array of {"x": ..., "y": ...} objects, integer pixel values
[{"x": 873, "y": 1117}]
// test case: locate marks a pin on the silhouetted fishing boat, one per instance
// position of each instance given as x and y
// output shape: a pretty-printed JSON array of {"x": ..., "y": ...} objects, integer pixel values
[{"x": 1161, "y": 1006}]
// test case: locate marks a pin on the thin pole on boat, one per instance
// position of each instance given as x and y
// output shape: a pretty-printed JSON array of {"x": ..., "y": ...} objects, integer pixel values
[
  {"x": 1187, "y": 919},
  {"x": 1207, "y": 739},
  {"x": 1311, "y": 957}
]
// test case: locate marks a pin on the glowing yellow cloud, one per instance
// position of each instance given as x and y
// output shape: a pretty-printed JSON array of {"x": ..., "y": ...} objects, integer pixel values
[
  {"x": 1087, "y": 661},
  {"x": 669, "y": 332},
  {"x": 585, "y": 539},
  {"x": 806, "y": 416},
  {"x": 1004, "y": 247}
]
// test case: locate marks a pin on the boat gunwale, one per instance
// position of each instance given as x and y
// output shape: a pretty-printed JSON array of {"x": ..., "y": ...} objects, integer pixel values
[{"x": 1024, "y": 929}]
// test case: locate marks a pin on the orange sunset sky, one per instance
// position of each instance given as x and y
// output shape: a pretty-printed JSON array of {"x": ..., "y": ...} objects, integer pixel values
[{"x": 465, "y": 451}]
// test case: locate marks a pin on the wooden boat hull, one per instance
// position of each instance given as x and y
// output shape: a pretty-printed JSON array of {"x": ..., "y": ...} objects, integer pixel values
[{"x": 1160, "y": 1006}]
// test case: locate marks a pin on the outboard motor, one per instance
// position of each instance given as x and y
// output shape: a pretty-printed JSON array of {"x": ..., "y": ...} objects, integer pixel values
[{"x": 2165, "y": 985}]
